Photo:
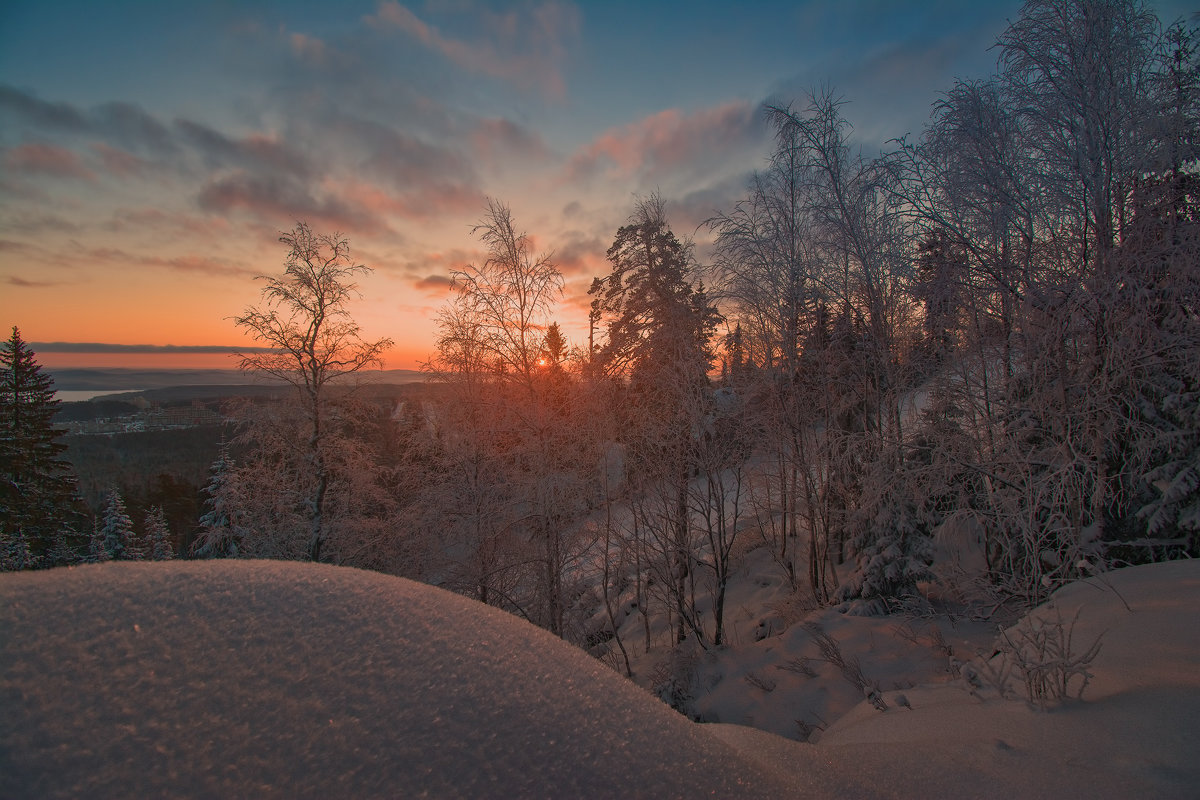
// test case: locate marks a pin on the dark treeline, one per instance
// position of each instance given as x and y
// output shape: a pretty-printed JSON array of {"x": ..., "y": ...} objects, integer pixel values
[{"x": 989, "y": 333}]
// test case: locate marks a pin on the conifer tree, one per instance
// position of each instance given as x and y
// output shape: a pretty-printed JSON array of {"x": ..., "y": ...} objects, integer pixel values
[
  {"x": 116, "y": 531},
  {"x": 97, "y": 553},
  {"x": 659, "y": 325},
  {"x": 158, "y": 536},
  {"x": 37, "y": 487},
  {"x": 220, "y": 534}
]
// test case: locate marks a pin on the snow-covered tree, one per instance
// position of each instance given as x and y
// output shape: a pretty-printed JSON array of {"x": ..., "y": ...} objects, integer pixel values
[
  {"x": 97, "y": 552},
  {"x": 158, "y": 536},
  {"x": 116, "y": 531},
  {"x": 311, "y": 341},
  {"x": 221, "y": 532},
  {"x": 658, "y": 324},
  {"x": 504, "y": 437},
  {"x": 37, "y": 487}
]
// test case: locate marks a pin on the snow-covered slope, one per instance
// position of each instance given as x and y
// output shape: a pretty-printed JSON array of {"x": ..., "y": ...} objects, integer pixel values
[
  {"x": 1135, "y": 734},
  {"x": 267, "y": 679},
  {"x": 217, "y": 679}
]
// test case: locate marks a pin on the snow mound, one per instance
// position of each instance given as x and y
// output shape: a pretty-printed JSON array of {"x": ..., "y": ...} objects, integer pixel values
[
  {"x": 1136, "y": 733},
  {"x": 270, "y": 679}
]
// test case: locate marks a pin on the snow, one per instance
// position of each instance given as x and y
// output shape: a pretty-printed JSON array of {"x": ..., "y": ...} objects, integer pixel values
[
  {"x": 1135, "y": 734},
  {"x": 270, "y": 679}
]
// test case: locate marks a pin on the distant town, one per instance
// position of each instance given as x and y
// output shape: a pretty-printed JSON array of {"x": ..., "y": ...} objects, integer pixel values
[{"x": 147, "y": 417}]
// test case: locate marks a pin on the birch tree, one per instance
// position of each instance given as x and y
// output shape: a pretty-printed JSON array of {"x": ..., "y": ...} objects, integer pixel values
[{"x": 312, "y": 342}]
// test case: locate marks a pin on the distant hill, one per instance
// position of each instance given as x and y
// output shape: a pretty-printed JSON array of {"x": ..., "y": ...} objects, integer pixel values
[{"x": 117, "y": 379}]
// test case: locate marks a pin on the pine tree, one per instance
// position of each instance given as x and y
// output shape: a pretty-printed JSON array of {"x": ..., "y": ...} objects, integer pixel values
[
  {"x": 37, "y": 487},
  {"x": 158, "y": 535},
  {"x": 116, "y": 531},
  {"x": 659, "y": 329},
  {"x": 220, "y": 533}
]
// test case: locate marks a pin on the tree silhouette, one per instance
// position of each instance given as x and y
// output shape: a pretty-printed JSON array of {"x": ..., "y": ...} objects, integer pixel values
[{"x": 37, "y": 486}]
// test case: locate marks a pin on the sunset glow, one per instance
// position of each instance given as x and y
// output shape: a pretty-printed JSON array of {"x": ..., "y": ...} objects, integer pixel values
[{"x": 150, "y": 155}]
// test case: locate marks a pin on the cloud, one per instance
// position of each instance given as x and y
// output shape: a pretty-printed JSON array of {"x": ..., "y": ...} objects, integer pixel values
[
  {"x": 435, "y": 284},
  {"x": 581, "y": 254},
  {"x": 128, "y": 124},
  {"x": 27, "y": 221},
  {"x": 689, "y": 212},
  {"x": 22, "y": 283},
  {"x": 62, "y": 116},
  {"x": 668, "y": 141},
  {"x": 183, "y": 263},
  {"x": 118, "y": 162},
  {"x": 495, "y": 138},
  {"x": 173, "y": 224},
  {"x": 309, "y": 49},
  {"x": 421, "y": 201},
  {"x": 525, "y": 47},
  {"x": 257, "y": 152},
  {"x": 99, "y": 347},
  {"x": 125, "y": 131},
  {"x": 283, "y": 200},
  {"x": 402, "y": 158},
  {"x": 47, "y": 159}
]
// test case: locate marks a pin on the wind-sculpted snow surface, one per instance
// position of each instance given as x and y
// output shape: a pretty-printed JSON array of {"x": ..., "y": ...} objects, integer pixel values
[{"x": 268, "y": 679}]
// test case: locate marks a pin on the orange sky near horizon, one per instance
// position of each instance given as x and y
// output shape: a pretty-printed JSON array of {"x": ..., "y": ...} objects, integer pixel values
[{"x": 393, "y": 359}]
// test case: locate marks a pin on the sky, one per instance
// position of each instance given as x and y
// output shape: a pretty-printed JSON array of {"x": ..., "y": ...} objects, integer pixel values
[{"x": 151, "y": 153}]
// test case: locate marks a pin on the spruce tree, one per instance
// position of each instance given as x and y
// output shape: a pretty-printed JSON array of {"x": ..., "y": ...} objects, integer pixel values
[
  {"x": 116, "y": 531},
  {"x": 158, "y": 536},
  {"x": 220, "y": 532},
  {"x": 37, "y": 487},
  {"x": 97, "y": 552}
]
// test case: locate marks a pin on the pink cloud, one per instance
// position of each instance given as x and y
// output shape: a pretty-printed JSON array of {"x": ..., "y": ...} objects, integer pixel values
[
  {"x": 118, "y": 162},
  {"x": 47, "y": 159},
  {"x": 666, "y": 140},
  {"x": 526, "y": 49},
  {"x": 432, "y": 200}
]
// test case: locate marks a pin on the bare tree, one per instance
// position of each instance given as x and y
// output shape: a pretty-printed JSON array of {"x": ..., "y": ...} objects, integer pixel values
[
  {"x": 504, "y": 360},
  {"x": 313, "y": 341}
]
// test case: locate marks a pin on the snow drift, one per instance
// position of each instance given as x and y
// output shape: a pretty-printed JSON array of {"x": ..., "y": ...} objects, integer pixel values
[
  {"x": 272, "y": 679},
  {"x": 235, "y": 678}
]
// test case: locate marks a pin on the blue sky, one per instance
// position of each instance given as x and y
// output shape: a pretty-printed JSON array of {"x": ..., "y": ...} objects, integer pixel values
[{"x": 151, "y": 152}]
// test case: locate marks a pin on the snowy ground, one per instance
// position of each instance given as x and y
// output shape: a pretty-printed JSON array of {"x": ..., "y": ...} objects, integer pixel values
[
  {"x": 268, "y": 679},
  {"x": 271, "y": 679}
]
